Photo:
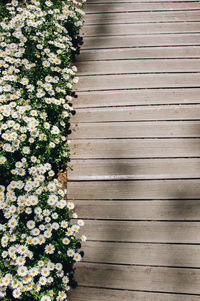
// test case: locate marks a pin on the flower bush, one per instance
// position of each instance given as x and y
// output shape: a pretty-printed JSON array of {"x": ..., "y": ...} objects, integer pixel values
[{"x": 38, "y": 229}]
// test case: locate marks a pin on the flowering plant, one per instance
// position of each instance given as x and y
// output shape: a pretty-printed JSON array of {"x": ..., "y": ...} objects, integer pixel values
[{"x": 38, "y": 226}]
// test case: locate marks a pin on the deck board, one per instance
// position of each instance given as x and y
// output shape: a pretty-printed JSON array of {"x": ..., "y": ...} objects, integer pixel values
[{"x": 134, "y": 174}]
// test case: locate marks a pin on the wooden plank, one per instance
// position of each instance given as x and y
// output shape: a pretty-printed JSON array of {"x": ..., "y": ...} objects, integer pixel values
[
  {"x": 129, "y": 190},
  {"x": 138, "y": 66},
  {"x": 100, "y": 294},
  {"x": 155, "y": 129},
  {"x": 139, "y": 53},
  {"x": 139, "y": 210},
  {"x": 146, "y": 28},
  {"x": 140, "y": 113},
  {"x": 143, "y": 231},
  {"x": 160, "y": 279},
  {"x": 142, "y": 254},
  {"x": 142, "y": 17},
  {"x": 133, "y": 169},
  {"x": 134, "y": 148},
  {"x": 136, "y": 81},
  {"x": 141, "y": 41},
  {"x": 130, "y": 1},
  {"x": 140, "y": 6},
  {"x": 137, "y": 97}
]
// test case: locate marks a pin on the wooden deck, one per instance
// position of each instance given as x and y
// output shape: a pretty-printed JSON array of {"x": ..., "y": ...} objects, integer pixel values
[{"x": 135, "y": 169}]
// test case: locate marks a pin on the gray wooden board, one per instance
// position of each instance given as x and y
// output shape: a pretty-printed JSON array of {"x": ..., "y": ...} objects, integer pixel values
[
  {"x": 149, "y": 189},
  {"x": 134, "y": 29},
  {"x": 138, "y": 113},
  {"x": 151, "y": 129},
  {"x": 142, "y": 254},
  {"x": 182, "y": 210},
  {"x": 138, "y": 66},
  {"x": 142, "y": 17},
  {"x": 111, "y": 169},
  {"x": 137, "y": 97},
  {"x": 136, "y": 81},
  {"x": 100, "y": 294},
  {"x": 139, "y": 6},
  {"x": 143, "y": 231},
  {"x": 141, "y": 41},
  {"x": 131, "y": 1},
  {"x": 139, "y": 53},
  {"x": 134, "y": 148},
  {"x": 142, "y": 214},
  {"x": 160, "y": 279}
]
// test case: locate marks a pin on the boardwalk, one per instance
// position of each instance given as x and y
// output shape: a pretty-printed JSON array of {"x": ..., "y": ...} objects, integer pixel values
[{"x": 135, "y": 169}]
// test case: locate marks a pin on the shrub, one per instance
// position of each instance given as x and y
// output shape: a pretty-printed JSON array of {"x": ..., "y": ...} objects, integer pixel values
[{"x": 38, "y": 229}]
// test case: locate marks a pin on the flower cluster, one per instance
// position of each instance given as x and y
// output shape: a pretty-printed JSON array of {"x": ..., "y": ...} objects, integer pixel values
[{"x": 38, "y": 229}]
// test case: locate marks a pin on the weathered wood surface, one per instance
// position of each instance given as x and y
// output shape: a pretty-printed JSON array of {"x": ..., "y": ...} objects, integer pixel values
[
  {"x": 142, "y": 17},
  {"x": 134, "y": 148},
  {"x": 135, "y": 169},
  {"x": 142, "y": 254},
  {"x": 175, "y": 210},
  {"x": 138, "y": 81},
  {"x": 138, "y": 113},
  {"x": 156, "y": 129},
  {"x": 135, "y": 29},
  {"x": 137, "y": 98},
  {"x": 140, "y": 6},
  {"x": 139, "y": 66},
  {"x": 183, "y": 52},
  {"x": 100, "y": 294},
  {"x": 150, "y": 189},
  {"x": 134, "y": 174},
  {"x": 158, "y": 40},
  {"x": 177, "y": 280}
]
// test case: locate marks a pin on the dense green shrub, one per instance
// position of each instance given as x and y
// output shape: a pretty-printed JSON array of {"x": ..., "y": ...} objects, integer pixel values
[{"x": 39, "y": 243}]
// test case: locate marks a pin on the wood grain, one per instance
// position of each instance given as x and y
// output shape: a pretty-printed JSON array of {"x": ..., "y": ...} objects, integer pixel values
[
  {"x": 142, "y": 254},
  {"x": 140, "y": 6},
  {"x": 138, "y": 53},
  {"x": 158, "y": 279},
  {"x": 137, "y": 97},
  {"x": 150, "y": 189},
  {"x": 147, "y": 28},
  {"x": 139, "y": 66},
  {"x": 100, "y": 294},
  {"x": 142, "y": 17},
  {"x": 112, "y": 169},
  {"x": 175, "y": 210},
  {"x": 155, "y": 40},
  {"x": 136, "y": 130},
  {"x": 136, "y": 81},
  {"x": 134, "y": 148},
  {"x": 140, "y": 113}
]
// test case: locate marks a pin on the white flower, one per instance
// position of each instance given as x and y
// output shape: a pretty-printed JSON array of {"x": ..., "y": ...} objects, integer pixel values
[
  {"x": 30, "y": 224},
  {"x": 2, "y": 160},
  {"x": 83, "y": 238},
  {"x": 20, "y": 261},
  {"x": 16, "y": 293},
  {"x": 70, "y": 205},
  {"x": 70, "y": 253},
  {"x": 66, "y": 241},
  {"x": 49, "y": 249},
  {"x": 80, "y": 222},
  {"x": 77, "y": 257},
  {"x": 12, "y": 223},
  {"x": 43, "y": 280},
  {"x": 22, "y": 271},
  {"x": 26, "y": 150},
  {"x": 45, "y": 272}
]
